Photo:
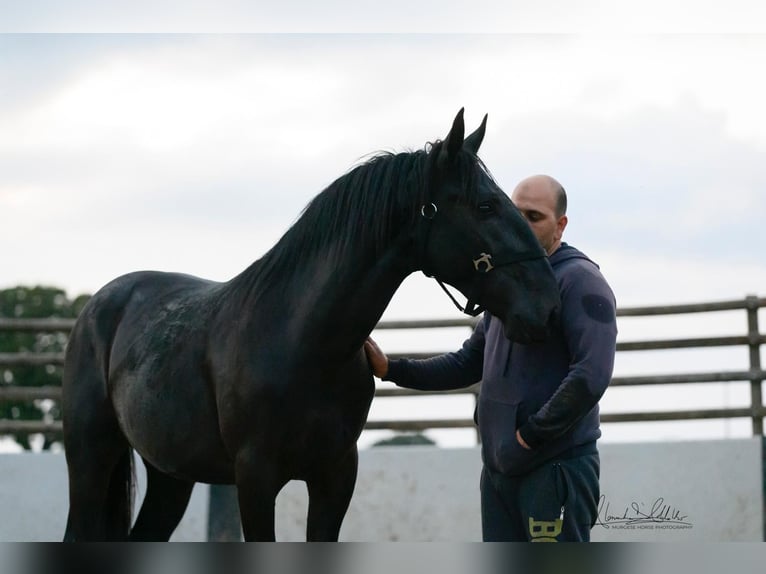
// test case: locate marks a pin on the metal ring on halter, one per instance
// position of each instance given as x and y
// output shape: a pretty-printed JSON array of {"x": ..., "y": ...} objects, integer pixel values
[{"x": 423, "y": 211}]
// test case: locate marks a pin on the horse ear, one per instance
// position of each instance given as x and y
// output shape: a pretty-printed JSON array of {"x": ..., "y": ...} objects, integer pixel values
[
  {"x": 473, "y": 141},
  {"x": 454, "y": 140}
]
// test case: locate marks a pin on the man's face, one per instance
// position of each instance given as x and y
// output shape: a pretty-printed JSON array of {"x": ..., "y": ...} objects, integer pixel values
[{"x": 537, "y": 203}]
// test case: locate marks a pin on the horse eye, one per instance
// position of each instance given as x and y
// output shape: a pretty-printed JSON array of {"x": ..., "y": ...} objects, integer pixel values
[{"x": 486, "y": 208}]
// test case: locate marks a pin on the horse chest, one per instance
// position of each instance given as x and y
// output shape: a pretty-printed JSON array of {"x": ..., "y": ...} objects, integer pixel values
[{"x": 335, "y": 419}]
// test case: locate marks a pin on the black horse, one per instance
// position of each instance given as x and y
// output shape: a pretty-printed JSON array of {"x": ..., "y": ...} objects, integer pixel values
[{"x": 263, "y": 379}]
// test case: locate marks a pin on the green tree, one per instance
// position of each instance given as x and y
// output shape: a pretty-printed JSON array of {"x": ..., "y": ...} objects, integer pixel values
[{"x": 34, "y": 302}]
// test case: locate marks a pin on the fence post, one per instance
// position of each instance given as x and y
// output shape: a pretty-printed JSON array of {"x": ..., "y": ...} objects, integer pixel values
[{"x": 754, "y": 344}]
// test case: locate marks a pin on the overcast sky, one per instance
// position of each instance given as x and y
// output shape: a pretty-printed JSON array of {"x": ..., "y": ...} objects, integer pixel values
[{"x": 195, "y": 152}]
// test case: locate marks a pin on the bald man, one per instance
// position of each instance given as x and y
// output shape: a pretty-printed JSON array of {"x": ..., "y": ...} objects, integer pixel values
[{"x": 538, "y": 407}]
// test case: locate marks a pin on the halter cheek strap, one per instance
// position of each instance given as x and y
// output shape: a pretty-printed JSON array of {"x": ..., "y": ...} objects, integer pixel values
[
  {"x": 471, "y": 308},
  {"x": 483, "y": 264}
]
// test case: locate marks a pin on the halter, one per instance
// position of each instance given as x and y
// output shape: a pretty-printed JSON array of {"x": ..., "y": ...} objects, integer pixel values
[{"x": 482, "y": 264}]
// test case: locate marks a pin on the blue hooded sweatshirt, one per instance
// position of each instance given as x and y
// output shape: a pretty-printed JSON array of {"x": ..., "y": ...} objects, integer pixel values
[{"x": 549, "y": 390}]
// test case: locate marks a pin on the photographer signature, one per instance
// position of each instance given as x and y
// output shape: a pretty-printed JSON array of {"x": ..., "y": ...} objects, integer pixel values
[{"x": 640, "y": 513}]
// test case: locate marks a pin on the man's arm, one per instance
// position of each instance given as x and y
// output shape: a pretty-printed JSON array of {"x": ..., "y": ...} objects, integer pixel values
[
  {"x": 589, "y": 323},
  {"x": 455, "y": 370}
]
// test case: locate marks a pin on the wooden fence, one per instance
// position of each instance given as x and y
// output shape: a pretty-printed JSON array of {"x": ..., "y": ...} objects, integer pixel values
[{"x": 752, "y": 339}]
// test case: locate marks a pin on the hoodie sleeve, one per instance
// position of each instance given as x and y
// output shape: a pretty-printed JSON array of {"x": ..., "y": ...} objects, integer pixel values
[
  {"x": 588, "y": 321},
  {"x": 455, "y": 370}
]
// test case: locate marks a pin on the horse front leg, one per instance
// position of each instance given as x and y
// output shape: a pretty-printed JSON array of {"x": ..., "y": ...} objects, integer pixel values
[
  {"x": 330, "y": 489},
  {"x": 258, "y": 484}
]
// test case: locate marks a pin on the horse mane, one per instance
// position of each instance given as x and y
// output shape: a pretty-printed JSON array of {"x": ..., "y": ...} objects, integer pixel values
[
  {"x": 362, "y": 209},
  {"x": 366, "y": 204}
]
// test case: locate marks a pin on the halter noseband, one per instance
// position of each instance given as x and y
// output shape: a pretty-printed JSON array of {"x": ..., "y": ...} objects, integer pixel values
[{"x": 483, "y": 264}]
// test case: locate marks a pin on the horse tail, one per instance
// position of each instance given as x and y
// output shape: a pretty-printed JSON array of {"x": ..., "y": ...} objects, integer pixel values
[
  {"x": 119, "y": 498},
  {"x": 101, "y": 487},
  {"x": 118, "y": 515}
]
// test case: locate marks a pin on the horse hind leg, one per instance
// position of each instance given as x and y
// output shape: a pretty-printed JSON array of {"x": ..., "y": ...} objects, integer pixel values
[{"x": 163, "y": 506}]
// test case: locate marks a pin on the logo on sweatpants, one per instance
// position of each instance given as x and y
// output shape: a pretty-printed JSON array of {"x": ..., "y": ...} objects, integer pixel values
[{"x": 544, "y": 530}]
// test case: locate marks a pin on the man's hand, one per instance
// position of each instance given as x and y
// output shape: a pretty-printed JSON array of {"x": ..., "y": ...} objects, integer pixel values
[
  {"x": 377, "y": 358},
  {"x": 522, "y": 442}
]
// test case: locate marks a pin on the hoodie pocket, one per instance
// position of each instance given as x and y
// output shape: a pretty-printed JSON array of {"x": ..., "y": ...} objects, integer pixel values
[{"x": 497, "y": 425}]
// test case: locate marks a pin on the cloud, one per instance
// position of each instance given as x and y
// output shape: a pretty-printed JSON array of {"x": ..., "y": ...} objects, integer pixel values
[
  {"x": 655, "y": 180},
  {"x": 334, "y": 16},
  {"x": 198, "y": 151}
]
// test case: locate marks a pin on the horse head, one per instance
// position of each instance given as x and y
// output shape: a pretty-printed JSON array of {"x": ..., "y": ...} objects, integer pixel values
[{"x": 471, "y": 236}]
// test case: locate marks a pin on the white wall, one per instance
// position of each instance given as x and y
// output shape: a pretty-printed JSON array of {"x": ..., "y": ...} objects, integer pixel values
[
  {"x": 34, "y": 500},
  {"x": 427, "y": 494}
]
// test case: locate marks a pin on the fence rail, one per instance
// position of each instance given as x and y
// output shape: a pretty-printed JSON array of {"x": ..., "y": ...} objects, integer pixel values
[{"x": 752, "y": 339}]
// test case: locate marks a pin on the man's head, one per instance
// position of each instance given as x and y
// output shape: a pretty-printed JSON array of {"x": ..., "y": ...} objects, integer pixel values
[{"x": 543, "y": 202}]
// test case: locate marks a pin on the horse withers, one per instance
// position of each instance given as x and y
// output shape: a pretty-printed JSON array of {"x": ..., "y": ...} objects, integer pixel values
[{"x": 263, "y": 379}]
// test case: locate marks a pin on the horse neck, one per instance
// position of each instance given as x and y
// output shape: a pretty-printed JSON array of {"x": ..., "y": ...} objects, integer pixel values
[
  {"x": 325, "y": 304},
  {"x": 335, "y": 304},
  {"x": 334, "y": 272}
]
